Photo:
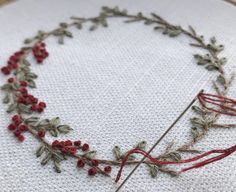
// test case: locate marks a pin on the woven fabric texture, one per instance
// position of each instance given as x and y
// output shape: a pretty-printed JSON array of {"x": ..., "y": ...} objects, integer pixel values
[{"x": 117, "y": 86}]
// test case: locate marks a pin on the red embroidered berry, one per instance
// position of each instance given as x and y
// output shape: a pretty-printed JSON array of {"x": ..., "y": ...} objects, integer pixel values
[
  {"x": 33, "y": 99},
  {"x": 40, "y": 109},
  {"x": 107, "y": 169},
  {"x": 72, "y": 150},
  {"x": 23, "y": 90},
  {"x": 62, "y": 143},
  {"x": 39, "y": 60},
  {"x": 21, "y": 99},
  {"x": 42, "y": 44},
  {"x": 85, "y": 147},
  {"x": 23, "y": 128},
  {"x": 94, "y": 162},
  {"x": 17, "y": 133},
  {"x": 80, "y": 163},
  {"x": 42, "y": 104},
  {"x": 16, "y": 118},
  {"x": 77, "y": 143},
  {"x": 12, "y": 127},
  {"x": 35, "y": 107},
  {"x": 5, "y": 70},
  {"x": 21, "y": 138},
  {"x": 41, "y": 133},
  {"x": 14, "y": 66},
  {"x": 92, "y": 171},
  {"x": 46, "y": 54},
  {"x": 68, "y": 143},
  {"x": 18, "y": 122},
  {"x": 10, "y": 80},
  {"x": 55, "y": 143},
  {"x": 23, "y": 84}
]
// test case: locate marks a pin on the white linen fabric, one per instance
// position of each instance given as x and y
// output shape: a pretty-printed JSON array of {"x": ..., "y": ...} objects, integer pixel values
[{"x": 117, "y": 86}]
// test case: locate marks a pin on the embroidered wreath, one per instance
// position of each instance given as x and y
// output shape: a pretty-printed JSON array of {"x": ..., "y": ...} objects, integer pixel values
[{"x": 26, "y": 107}]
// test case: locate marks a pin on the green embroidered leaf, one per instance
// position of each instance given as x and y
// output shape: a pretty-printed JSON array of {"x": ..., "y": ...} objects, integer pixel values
[
  {"x": 32, "y": 75},
  {"x": 31, "y": 120},
  {"x": 197, "y": 109},
  {"x": 117, "y": 152},
  {"x": 46, "y": 159},
  {"x": 40, "y": 150},
  {"x": 90, "y": 154},
  {"x": 6, "y": 86},
  {"x": 53, "y": 132},
  {"x": 43, "y": 122},
  {"x": 24, "y": 108},
  {"x": 141, "y": 145},
  {"x": 221, "y": 79},
  {"x": 11, "y": 107},
  {"x": 57, "y": 166},
  {"x": 64, "y": 128},
  {"x": 153, "y": 170},
  {"x": 195, "y": 132},
  {"x": 55, "y": 121},
  {"x": 175, "y": 156},
  {"x": 31, "y": 83},
  {"x": 6, "y": 99}
]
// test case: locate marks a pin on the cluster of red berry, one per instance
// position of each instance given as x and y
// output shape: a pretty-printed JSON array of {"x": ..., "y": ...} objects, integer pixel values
[
  {"x": 40, "y": 53},
  {"x": 94, "y": 163},
  {"x": 69, "y": 147},
  {"x": 27, "y": 99},
  {"x": 18, "y": 127},
  {"x": 12, "y": 63}
]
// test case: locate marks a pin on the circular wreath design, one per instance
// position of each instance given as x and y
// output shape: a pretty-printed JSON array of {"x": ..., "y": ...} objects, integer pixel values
[{"x": 26, "y": 106}]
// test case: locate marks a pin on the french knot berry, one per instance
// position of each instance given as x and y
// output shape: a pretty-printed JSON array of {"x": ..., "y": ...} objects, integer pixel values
[
  {"x": 80, "y": 163},
  {"x": 21, "y": 138},
  {"x": 107, "y": 169},
  {"x": 94, "y": 162},
  {"x": 85, "y": 147},
  {"x": 92, "y": 171},
  {"x": 41, "y": 133}
]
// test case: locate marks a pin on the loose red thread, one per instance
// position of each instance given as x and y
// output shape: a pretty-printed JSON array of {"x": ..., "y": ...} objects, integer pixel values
[
  {"x": 219, "y": 101},
  {"x": 223, "y": 153}
]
